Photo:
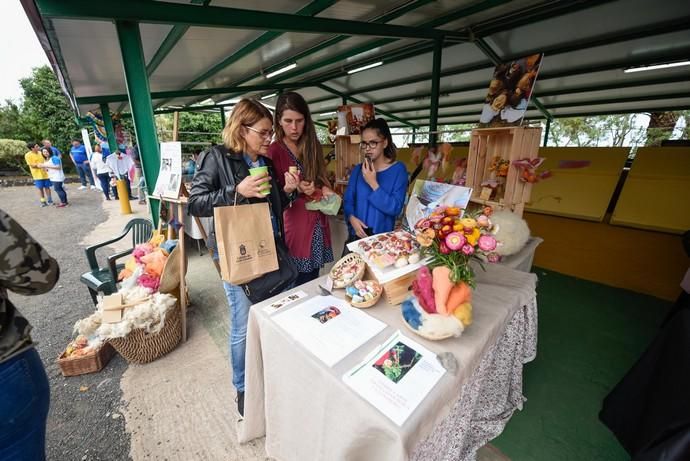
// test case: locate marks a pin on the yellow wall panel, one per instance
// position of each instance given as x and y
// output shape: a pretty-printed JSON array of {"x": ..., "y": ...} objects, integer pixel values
[
  {"x": 656, "y": 193},
  {"x": 582, "y": 193}
]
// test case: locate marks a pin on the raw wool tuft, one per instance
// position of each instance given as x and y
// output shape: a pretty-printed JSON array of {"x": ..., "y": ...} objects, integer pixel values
[
  {"x": 149, "y": 315},
  {"x": 511, "y": 232}
]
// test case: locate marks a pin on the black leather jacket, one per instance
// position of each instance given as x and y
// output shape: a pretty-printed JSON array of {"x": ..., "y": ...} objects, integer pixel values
[{"x": 218, "y": 172}]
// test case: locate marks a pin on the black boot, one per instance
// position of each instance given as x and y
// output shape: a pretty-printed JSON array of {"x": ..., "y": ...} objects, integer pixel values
[{"x": 240, "y": 403}]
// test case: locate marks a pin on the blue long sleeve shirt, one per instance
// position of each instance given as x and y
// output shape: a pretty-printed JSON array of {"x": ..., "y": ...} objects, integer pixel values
[{"x": 377, "y": 209}]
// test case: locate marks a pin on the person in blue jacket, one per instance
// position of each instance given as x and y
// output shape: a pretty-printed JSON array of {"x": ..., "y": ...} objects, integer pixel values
[
  {"x": 81, "y": 160},
  {"x": 376, "y": 191}
]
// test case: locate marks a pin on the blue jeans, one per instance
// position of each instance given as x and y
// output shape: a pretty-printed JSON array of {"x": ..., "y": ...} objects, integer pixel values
[
  {"x": 239, "y": 315},
  {"x": 60, "y": 191},
  {"x": 24, "y": 402},
  {"x": 84, "y": 171}
]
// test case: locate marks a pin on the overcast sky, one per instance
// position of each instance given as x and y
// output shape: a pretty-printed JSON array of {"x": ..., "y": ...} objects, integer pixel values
[{"x": 20, "y": 50}]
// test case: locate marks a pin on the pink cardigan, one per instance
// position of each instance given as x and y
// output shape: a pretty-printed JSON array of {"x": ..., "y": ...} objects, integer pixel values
[{"x": 299, "y": 222}]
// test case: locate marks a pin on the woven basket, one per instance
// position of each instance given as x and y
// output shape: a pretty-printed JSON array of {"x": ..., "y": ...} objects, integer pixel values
[
  {"x": 141, "y": 347},
  {"x": 371, "y": 302},
  {"x": 91, "y": 363},
  {"x": 350, "y": 258}
]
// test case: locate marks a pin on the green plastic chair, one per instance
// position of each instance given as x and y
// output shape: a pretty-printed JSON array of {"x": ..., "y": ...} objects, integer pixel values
[{"x": 104, "y": 279}]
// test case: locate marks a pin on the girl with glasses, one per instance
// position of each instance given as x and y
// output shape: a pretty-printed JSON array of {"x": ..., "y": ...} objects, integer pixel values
[
  {"x": 376, "y": 190},
  {"x": 307, "y": 233},
  {"x": 222, "y": 175}
]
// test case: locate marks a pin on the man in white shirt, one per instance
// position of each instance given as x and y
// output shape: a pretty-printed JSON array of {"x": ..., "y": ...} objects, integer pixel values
[{"x": 120, "y": 164}]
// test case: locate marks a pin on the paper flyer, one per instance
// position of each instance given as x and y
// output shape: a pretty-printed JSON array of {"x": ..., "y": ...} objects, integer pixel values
[
  {"x": 170, "y": 172},
  {"x": 286, "y": 301},
  {"x": 396, "y": 377},
  {"x": 328, "y": 327}
]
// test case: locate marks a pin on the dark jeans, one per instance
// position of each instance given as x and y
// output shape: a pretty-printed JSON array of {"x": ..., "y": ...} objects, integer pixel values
[
  {"x": 60, "y": 191},
  {"x": 129, "y": 189},
  {"x": 24, "y": 402},
  {"x": 84, "y": 171},
  {"x": 104, "y": 179},
  {"x": 304, "y": 277}
]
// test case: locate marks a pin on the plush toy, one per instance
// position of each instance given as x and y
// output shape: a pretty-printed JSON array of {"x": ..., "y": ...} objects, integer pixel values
[{"x": 510, "y": 231}]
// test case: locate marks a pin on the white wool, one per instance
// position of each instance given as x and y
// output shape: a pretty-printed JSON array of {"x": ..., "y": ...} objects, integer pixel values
[
  {"x": 436, "y": 325},
  {"x": 89, "y": 325},
  {"x": 510, "y": 231}
]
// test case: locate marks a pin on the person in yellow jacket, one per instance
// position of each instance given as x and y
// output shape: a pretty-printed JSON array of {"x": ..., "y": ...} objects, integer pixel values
[{"x": 34, "y": 159}]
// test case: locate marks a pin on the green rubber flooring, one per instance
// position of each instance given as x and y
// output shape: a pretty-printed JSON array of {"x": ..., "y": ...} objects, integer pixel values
[{"x": 589, "y": 336}]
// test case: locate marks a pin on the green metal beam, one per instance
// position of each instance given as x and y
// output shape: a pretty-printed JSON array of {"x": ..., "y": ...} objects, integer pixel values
[
  {"x": 384, "y": 113},
  {"x": 458, "y": 14},
  {"x": 546, "y": 131},
  {"x": 139, "y": 94},
  {"x": 170, "y": 41},
  {"x": 311, "y": 9},
  {"x": 222, "y": 117},
  {"x": 110, "y": 131},
  {"x": 435, "y": 85},
  {"x": 201, "y": 92},
  {"x": 658, "y": 29},
  {"x": 214, "y": 16}
]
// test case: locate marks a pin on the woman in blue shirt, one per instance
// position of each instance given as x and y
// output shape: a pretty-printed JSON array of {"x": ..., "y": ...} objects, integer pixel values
[{"x": 376, "y": 191}]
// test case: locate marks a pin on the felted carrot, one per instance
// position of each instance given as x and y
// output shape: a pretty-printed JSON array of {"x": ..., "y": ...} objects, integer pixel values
[
  {"x": 423, "y": 290},
  {"x": 442, "y": 286},
  {"x": 460, "y": 293}
]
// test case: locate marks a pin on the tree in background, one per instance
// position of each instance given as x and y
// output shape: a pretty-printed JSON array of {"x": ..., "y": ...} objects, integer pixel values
[
  {"x": 46, "y": 108},
  {"x": 192, "y": 127}
]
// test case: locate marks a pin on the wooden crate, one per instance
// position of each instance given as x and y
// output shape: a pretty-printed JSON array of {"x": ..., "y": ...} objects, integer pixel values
[
  {"x": 395, "y": 291},
  {"x": 347, "y": 155},
  {"x": 89, "y": 363},
  {"x": 511, "y": 143}
]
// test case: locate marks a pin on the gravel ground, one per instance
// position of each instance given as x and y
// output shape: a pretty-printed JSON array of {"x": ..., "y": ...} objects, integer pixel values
[{"x": 85, "y": 422}]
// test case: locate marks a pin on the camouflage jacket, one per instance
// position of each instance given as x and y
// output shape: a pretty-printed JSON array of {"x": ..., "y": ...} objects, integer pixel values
[{"x": 27, "y": 269}]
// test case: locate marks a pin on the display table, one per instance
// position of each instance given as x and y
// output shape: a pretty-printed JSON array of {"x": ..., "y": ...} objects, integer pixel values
[
  {"x": 307, "y": 412},
  {"x": 522, "y": 260}
]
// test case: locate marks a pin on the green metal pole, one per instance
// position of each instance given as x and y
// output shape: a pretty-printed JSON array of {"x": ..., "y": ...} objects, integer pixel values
[
  {"x": 222, "y": 117},
  {"x": 139, "y": 94},
  {"x": 435, "y": 90},
  {"x": 414, "y": 134},
  {"x": 546, "y": 131},
  {"x": 108, "y": 121},
  {"x": 344, "y": 101}
]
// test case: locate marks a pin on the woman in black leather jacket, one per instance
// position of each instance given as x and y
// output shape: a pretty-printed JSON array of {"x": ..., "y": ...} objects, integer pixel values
[{"x": 223, "y": 174}]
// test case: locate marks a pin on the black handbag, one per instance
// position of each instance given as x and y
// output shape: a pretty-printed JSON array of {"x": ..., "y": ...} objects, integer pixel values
[{"x": 272, "y": 283}]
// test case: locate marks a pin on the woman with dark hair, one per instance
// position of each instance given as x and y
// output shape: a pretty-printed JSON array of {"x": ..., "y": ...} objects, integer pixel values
[
  {"x": 222, "y": 178},
  {"x": 376, "y": 191},
  {"x": 307, "y": 233}
]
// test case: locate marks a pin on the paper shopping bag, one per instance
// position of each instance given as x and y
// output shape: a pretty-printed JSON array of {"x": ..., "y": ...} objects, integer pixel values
[{"x": 245, "y": 242}]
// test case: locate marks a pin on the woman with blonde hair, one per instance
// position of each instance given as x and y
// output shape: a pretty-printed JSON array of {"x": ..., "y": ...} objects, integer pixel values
[
  {"x": 222, "y": 176},
  {"x": 307, "y": 233}
]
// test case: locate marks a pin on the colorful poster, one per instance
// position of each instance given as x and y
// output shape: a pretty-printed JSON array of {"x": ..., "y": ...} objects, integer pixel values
[
  {"x": 509, "y": 92},
  {"x": 352, "y": 117},
  {"x": 170, "y": 172},
  {"x": 427, "y": 195}
]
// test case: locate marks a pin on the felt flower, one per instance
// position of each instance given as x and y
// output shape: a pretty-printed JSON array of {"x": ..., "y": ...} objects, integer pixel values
[
  {"x": 444, "y": 249},
  {"x": 455, "y": 240},
  {"x": 486, "y": 243},
  {"x": 483, "y": 221},
  {"x": 494, "y": 257},
  {"x": 426, "y": 237},
  {"x": 473, "y": 236},
  {"x": 467, "y": 249}
]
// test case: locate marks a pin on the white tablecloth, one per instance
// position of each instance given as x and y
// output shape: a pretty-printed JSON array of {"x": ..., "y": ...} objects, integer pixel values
[{"x": 308, "y": 413}]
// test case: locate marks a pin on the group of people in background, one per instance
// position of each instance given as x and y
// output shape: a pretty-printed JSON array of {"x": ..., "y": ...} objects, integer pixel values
[
  {"x": 46, "y": 166},
  {"x": 288, "y": 146}
]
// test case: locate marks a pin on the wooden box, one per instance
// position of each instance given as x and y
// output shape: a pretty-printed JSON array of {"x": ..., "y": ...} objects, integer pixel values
[
  {"x": 395, "y": 291},
  {"x": 347, "y": 155},
  {"x": 509, "y": 144}
]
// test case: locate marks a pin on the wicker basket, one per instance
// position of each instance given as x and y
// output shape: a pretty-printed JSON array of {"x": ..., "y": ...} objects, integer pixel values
[
  {"x": 371, "y": 302},
  {"x": 349, "y": 259},
  {"x": 91, "y": 363},
  {"x": 141, "y": 347}
]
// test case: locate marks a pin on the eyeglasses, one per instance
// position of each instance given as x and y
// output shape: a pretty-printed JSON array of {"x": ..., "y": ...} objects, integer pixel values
[
  {"x": 266, "y": 134},
  {"x": 371, "y": 144}
]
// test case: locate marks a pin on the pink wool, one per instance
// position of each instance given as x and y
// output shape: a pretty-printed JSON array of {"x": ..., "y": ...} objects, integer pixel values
[
  {"x": 423, "y": 289},
  {"x": 148, "y": 281},
  {"x": 141, "y": 250}
]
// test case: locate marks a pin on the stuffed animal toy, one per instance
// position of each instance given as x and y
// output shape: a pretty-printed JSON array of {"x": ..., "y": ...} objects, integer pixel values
[{"x": 510, "y": 231}]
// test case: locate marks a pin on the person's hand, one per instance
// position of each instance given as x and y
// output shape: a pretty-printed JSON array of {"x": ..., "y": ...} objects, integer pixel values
[
  {"x": 86, "y": 162},
  {"x": 251, "y": 186},
  {"x": 291, "y": 182},
  {"x": 369, "y": 174},
  {"x": 306, "y": 187},
  {"x": 358, "y": 226}
]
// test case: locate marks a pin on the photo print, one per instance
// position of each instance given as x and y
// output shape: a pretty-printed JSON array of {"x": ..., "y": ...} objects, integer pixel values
[{"x": 396, "y": 362}]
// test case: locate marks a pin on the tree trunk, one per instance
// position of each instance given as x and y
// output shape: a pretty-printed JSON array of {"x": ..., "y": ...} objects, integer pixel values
[{"x": 661, "y": 125}]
